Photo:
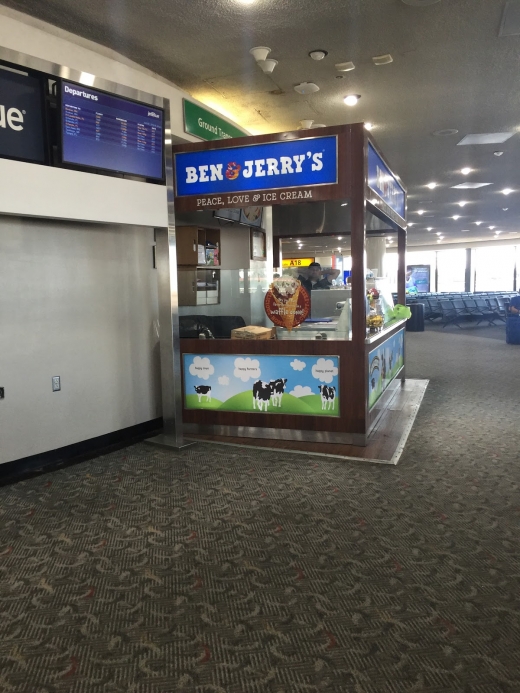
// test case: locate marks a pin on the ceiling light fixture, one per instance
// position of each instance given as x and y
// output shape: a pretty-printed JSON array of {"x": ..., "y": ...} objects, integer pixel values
[
  {"x": 411, "y": 223},
  {"x": 455, "y": 216},
  {"x": 498, "y": 153},
  {"x": 470, "y": 186},
  {"x": 462, "y": 203},
  {"x": 318, "y": 54},
  {"x": 345, "y": 67},
  {"x": 445, "y": 133},
  {"x": 438, "y": 233},
  {"x": 351, "y": 99},
  {"x": 491, "y": 228},
  {"x": 465, "y": 171},
  {"x": 382, "y": 59},
  {"x": 268, "y": 65},
  {"x": 429, "y": 228},
  {"x": 432, "y": 186},
  {"x": 420, "y": 211},
  {"x": 246, "y": 2},
  {"x": 306, "y": 88},
  {"x": 369, "y": 126},
  {"x": 478, "y": 223},
  {"x": 506, "y": 191},
  {"x": 340, "y": 238},
  {"x": 260, "y": 53}
]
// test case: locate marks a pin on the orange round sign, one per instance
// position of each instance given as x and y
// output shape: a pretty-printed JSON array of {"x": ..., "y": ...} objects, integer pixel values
[{"x": 287, "y": 302}]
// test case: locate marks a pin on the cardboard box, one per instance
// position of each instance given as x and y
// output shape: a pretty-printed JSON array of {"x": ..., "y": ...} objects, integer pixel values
[{"x": 253, "y": 332}]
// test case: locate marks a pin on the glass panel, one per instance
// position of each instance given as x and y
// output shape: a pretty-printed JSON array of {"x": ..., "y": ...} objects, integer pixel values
[
  {"x": 494, "y": 268},
  {"x": 451, "y": 270}
]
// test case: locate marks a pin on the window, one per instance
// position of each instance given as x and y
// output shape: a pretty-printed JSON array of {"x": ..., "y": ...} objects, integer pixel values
[
  {"x": 451, "y": 270},
  {"x": 494, "y": 268}
]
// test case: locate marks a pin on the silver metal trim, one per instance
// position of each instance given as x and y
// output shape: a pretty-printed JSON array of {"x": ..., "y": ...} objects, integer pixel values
[{"x": 166, "y": 248}]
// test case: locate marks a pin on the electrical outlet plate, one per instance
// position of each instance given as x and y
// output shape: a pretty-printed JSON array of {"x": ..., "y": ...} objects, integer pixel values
[{"x": 56, "y": 384}]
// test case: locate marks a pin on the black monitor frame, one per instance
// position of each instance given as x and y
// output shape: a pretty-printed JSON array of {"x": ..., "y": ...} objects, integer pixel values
[{"x": 85, "y": 167}]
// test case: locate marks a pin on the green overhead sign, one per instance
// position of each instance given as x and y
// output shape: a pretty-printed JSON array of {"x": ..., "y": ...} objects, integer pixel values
[{"x": 206, "y": 125}]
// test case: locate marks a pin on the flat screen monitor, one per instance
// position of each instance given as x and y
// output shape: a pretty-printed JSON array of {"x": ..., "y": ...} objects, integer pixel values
[
  {"x": 22, "y": 122},
  {"x": 251, "y": 216},
  {"x": 417, "y": 278},
  {"x": 229, "y": 214},
  {"x": 104, "y": 131}
]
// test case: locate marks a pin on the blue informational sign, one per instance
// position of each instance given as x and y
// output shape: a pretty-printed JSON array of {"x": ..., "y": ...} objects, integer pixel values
[
  {"x": 383, "y": 182},
  {"x": 384, "y": 363},
  {"x": 290, "y": 164},
  {"x": 301, "y": 385},
  {"x": 104, "y": 131}
]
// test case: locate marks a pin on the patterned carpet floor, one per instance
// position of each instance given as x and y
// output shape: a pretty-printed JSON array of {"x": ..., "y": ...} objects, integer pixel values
[{"x": 231, "y": 570}]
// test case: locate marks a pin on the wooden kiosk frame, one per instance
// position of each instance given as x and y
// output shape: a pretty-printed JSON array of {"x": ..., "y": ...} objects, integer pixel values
[{"x": 356, "y": 419}]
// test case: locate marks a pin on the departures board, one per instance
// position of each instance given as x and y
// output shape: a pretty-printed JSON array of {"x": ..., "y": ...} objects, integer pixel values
[{"x": 104, "y": 131}]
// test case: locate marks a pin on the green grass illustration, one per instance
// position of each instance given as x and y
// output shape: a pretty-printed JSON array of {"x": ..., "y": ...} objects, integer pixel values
[
  {"x": 314, "y": 404},
  {"x": 192, "y": 402},
  {"x": 244, "y": 402}
]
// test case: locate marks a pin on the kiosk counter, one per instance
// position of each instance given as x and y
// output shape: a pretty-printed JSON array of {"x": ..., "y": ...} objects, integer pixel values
[{"x": 324, "y": 379}]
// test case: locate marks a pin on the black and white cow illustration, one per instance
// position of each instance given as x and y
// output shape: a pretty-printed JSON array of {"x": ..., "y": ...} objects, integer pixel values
[
  {"x": 328, "y": 396},
  {"x": 262, "y": 394},
  {"x": 278, "y": 388},
  {"x": 203, "y": 391}
]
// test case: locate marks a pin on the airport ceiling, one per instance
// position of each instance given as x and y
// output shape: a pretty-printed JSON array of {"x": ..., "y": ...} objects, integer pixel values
[{"x": 451, "y": 70}]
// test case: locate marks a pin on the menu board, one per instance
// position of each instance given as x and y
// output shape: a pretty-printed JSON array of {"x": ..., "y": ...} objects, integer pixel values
[{"x": 104, "y": 131}]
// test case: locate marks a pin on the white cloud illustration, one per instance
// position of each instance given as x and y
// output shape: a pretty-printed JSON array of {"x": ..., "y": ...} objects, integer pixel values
[
  {"x": 298, "y": 365},
  {"x": 246, "y": 369},
  {"x": 301, "y": 391},
  {"x": 201, "y": 367},
  {"x": 324, "y": 370},
  {"x": 223, "y": 380}
]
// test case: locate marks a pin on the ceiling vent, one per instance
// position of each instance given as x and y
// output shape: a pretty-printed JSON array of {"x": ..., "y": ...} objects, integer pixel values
[
  {"x": 306, "y": 88},
  {"x": 382, "y": 59},
  {"x": 510, "y": 24},
  {"x": 486, "y": 138},
  {"x": 420, "y": 3}
]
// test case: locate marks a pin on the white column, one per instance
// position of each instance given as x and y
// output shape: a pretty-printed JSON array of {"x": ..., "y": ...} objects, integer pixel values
[{"x": 376, "y": 251}]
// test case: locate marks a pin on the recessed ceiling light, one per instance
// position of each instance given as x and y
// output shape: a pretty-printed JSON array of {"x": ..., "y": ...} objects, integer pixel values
[
  {"x": 462, "y": 203},
  {"x": 344, "y": 204},
  {"x": 420, "y": 211},
  {"x": 455, "y": 216},
  {"x": 369, "y": 126},
  {"x": 478, "y": 223},
  {"x": 465, "y": 230},
  {"x": 441, "y": 237},
  {"x": 438, "y": 233},
  {"x": 506, "y": 191},
  {"x": 429, "y": 228},
  {"x": 491, "y": 228},
  {"x": 432, "y": 186},
  {"x": 504, "y": 209},
  {"x": 445, "y": 133},
  {"x": 411, "y": 223},
  {"x": 497, "y": 233},
  {"x": 351, "y": 99},
  {"x": 465, "y": 171},
  {"x": 486, "y": 138},
  {"x": 318, "y": 54},
  {"x": 498, "y": 153},
  {"x": 470, "y": 186},
  {"x": 340, "y": 238}
]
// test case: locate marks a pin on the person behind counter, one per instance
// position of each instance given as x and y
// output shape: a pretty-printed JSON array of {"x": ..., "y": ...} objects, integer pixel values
[{"x": 312, "y": 279}]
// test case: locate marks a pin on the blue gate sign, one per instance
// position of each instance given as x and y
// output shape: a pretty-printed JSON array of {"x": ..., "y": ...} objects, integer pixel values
[
  {"x": 383, "y": 182},
  {"x": 290, "y": 164}
]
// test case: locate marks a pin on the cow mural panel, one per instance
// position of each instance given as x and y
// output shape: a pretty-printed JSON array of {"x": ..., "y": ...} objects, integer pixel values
[{"x": 268, "y": 384}]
